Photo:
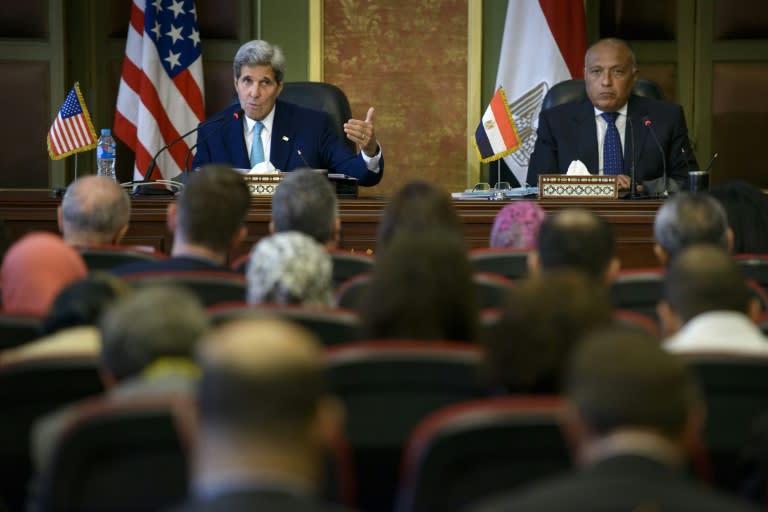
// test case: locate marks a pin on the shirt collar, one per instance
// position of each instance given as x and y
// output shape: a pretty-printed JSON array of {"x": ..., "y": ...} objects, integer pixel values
[
  {"x": 622, "y": 110},
  {"x": 267, "y": 121}
]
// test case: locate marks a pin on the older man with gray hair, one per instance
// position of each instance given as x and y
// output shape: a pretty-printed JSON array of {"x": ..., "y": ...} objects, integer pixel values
[
  {"x": 689, "y": 219},
  {"x": 94, "y": 211},
  {"x": 282, "y": 133}
]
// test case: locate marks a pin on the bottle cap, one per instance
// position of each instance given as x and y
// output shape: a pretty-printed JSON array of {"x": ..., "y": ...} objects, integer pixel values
[{"x": 106, "y": 131}]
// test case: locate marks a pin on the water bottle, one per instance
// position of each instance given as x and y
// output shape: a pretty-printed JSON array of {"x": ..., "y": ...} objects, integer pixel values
[{"x": 106, "y": 154}]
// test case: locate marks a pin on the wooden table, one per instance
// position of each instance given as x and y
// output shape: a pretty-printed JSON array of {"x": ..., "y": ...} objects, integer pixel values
[{"x": 632, "y": 221}]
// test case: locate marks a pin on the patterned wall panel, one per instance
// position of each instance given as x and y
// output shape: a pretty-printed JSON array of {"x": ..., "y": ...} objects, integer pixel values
[{"x": 408, "y": 60}]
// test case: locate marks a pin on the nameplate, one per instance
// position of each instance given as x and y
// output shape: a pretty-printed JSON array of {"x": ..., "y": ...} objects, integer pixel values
[
  {"x": 561, "y": 186},
  {"x": 262, "y": 184}
]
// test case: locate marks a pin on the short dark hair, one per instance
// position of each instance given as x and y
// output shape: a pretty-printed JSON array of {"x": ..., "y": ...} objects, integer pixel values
[
  {"x": 421, "y": 288},
  {"x": 687, "y": 219},
  {"x": 620, "y": 377},
  {"x": 578, "y": 239},
  {"x": 544, "y": 317},
  {"x": 212, "y": 206},
  {"x": 306, "y": 202},
  {"x": 84, "y": 301},
  {"x": 705, "y": 278},
  {"x": 418, "y": 207}
]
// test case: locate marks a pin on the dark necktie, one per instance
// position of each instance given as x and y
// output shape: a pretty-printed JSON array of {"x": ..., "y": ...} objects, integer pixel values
[{"x": 613, "y": 159}]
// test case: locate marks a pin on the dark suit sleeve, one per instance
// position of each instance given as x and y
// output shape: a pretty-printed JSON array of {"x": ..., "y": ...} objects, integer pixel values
[
  {"x": 544, "y": 157},
  {"x": 678, "y": 167}
]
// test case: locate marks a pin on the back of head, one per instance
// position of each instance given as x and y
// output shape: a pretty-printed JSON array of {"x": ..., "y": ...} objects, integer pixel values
[
  {"x": 305, "y": 201},
  {"x": 687, "y": 219},
  {"x": 93, "y": 210},
  {"x": 576, "y": 239},
  {"x": 262, "y": 379},
  {"x": 517, "y": 225},
  {"x": 149, "y": 324},
  {"x": 290, "y": 268},
  {"x": 421, "y": 288},
  {"x": 35, "y": 269},
  {"x": 544, "y": 317},
  {"x": 84, "y": 301},
  {"x": 212, "y": 207},
  {"x": 417, "y": 207},
  {"x": 705, "y": 278},
  {"x": 747, "y": 209},
  {"x": 621, "y": 378}
]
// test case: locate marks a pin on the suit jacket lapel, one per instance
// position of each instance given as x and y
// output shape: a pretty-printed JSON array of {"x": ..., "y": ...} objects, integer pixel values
[
  {"x": 585, "y": 127},
  {"x": 282, "y": 136},
  {"x": 635, "y": 144},
  {"x": 235, "y": 141}
]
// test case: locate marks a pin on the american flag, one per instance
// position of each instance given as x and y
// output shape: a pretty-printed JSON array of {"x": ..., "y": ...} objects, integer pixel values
[
  {"x": 161, "y": 88},
  {"x": 72, "y": 130}
]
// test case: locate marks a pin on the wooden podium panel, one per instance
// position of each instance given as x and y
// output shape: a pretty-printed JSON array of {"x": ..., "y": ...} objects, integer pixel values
[{"x": 632, "y": 221}]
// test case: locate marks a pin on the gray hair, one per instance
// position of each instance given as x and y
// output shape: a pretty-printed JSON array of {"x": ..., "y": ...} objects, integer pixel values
[
  {"x": 260, "y": 53},
  {"x": 306, "y": 202},
  {"x": 153, "y": 322},
  {"x": 94, "y": 207},
  {"x": 290, "y": 268},
  {"x": 688, "y": 219}
]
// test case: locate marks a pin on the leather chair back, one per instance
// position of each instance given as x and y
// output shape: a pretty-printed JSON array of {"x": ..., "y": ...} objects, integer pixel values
[{"x": 568, "y": 91}]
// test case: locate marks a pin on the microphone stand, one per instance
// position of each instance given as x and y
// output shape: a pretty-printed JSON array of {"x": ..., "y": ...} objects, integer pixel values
[{"x": 632, "y": 176}]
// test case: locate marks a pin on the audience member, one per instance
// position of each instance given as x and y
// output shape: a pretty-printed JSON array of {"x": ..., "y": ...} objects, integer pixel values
[
  {"x": 421, "y": 288},
  {"x": 207, "y": 221},
  {"x": 289, "y": 268},
  {"x": 543, "y": 318},
  {"x": 35, "y": 269},
  {"x": 306, "y": 202},
  {"x": 148, "y": 339},
  {"x": 707, "y": 304},
  {"x": 266, "y": 419},
  {"x": 417, "y": 207},
  {"x": 516, "y": 226},
  {"x": 747, "y": 209},
  {"x": 71, "y": 324},
  {"x": 94, "y": 211},
  {"x": 687, "y": 219},
  {"x": 576, "y": 239},
  {"x": 632, "y": 412}
]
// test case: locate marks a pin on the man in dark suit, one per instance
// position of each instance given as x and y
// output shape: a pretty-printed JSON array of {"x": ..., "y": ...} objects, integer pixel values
[
  {"x": 632, "y": 410},
  {"x": 613, "y": 130},
  {"x": 265, "y": 418},
  {"x": 284, "y": 134}
]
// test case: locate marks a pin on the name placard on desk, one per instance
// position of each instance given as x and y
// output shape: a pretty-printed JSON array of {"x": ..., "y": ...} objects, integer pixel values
[
  {"x": 560, "y": 186},
  {"x": 266, "y": 184}
]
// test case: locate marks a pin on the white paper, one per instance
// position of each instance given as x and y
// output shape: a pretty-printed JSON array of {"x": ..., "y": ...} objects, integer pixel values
[{"x": 577, "y": 168}]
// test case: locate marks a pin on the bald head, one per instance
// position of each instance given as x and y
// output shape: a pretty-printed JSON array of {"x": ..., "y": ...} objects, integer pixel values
[
  {"x": 620, "y": 378},
  {"x": 705, "y": 278},
  {"x": 94, "y": 211},
  {"x": 576, "y": 239},
  {"x": 261, "y": 377}
]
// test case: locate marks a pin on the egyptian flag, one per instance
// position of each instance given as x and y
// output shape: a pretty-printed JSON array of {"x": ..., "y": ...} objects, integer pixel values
[{"x": 496, "y": 136}]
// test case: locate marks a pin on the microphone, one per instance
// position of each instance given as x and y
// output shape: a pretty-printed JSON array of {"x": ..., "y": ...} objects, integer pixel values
[
  {"x": 301, "y": 155},
  {"x": 235, "y": 116},
  {"x": 709, "y": 165},
  {"x": 153, "y": 163},
  {"x": 632, "y": 177},
  {"x": 649, "y": 124},
  {"x": 685, "y": 157}
]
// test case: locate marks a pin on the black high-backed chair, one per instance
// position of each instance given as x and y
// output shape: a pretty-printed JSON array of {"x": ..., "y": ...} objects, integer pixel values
[
  {"x": 574, "y": 89},
  {"x": 323, "y": 97}
]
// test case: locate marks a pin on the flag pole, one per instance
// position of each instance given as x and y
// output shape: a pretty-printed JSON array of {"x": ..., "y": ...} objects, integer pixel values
[
  {"x": 75, "y": 166},
  {"x": 498, "y": 173}
]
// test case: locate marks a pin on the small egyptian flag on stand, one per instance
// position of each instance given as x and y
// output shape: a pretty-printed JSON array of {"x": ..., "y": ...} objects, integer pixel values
[
  {"x": 496, "y": 136},
  {"x": 72, "y": 130}
]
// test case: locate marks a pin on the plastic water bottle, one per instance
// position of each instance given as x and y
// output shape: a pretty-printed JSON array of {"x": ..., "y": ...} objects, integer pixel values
[{"x": 106, "y": 154}]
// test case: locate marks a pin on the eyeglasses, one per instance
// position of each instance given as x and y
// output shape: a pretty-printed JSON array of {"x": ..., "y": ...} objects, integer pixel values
[{"x": 497, "y": 191}]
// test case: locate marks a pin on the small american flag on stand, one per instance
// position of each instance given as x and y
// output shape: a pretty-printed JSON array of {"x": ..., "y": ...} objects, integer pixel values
[{"x": 72, "y": 130}]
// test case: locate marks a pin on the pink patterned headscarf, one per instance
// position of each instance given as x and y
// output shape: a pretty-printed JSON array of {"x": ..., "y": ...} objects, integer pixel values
[
  {"x": 35, "y": 269},
  {"x": 516, "y": 226}
]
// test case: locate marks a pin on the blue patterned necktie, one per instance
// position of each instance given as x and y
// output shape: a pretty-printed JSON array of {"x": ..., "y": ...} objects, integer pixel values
[
  {"x": 613, "y": 159},
  {"x": 257, "y": 148}
]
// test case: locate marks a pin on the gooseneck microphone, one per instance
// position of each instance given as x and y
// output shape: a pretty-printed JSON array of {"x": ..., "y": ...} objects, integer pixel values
[
  {"x": 649, "y": 124},
  {"x": 632, "y": 177},
  {"x": 301, "y": 155},
  {"x": 235, "y": 116}
]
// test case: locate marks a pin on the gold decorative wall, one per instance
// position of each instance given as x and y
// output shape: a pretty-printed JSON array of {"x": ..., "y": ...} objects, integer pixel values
[{"x": 408, "y": 60}]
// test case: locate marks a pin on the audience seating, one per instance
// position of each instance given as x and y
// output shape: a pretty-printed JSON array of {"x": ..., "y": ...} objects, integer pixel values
[
  {"x": 388, "y": 386},
  {"x": 472, "y": 450},
  {"x": 240, "y": 264},
  {"x": 30, "y": 389},
  {"x": 638, "y": 290},
  {"x": 510, "y": 263},
  {"x": 349, "y": 294},
  {"x": 754, "y": 266},
  {"x": 16, "y": 330},
  {"x": 211, "y": 287},
  {"x": 636, "y": 320},
  {"x": 347, "y": 265},
  {"x": 106, "y": 257},
  {"x": 332, "y": 325},
  {"x": 735, "y": 390},
  {"x": 120, "y": 455}
]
